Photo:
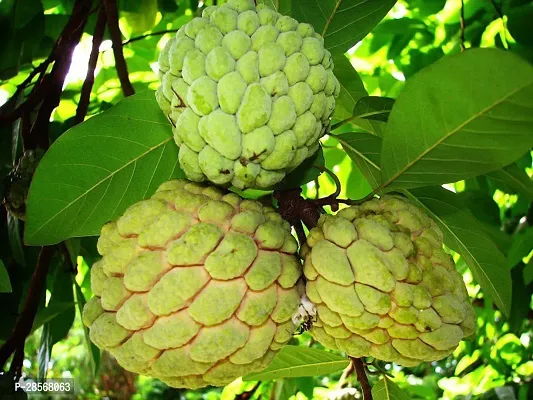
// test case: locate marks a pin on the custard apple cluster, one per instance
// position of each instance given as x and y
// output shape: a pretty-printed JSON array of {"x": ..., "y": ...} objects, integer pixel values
[
  {"x": 196, "y": 286},
  {"x": 383, "y": 285},
  {"x": 249, "y": 93}
]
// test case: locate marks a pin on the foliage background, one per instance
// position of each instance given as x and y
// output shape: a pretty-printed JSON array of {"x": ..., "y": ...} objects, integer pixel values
[{"x": 497, "y": 363}]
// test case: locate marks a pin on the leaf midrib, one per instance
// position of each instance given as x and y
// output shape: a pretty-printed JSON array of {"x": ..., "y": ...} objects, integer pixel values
[
  {"x": 328, "y": 22},
  {"x": 135, "y": 159},
  {"x": 326, "y": 363},
  {"x": 452, "y": 132},
  {"x": 358, "y": 153}
]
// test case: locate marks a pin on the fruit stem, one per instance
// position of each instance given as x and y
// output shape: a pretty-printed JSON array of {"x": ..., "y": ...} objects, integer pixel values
[{"x": 362, "y": 378}]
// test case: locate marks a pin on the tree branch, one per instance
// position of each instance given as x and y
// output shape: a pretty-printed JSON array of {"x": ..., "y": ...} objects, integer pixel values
[
  {"x": 85, "y": 97},
  {"x": 116, "y": 37},
  {"x": 31, "y": 305},
  {"x": 69, "y": 38},
  {"x": 362, "y": 378}
]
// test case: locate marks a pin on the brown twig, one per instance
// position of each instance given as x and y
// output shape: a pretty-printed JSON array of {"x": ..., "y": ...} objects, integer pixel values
[
  {"x": 463, "y": 25},
  {"x": 362, "y": 378},
  {"x": 16, "y": 363},
  {"x": 116, "y": 37},
  {"x": 25, "y": 322},
  {"x": 52, "y": 83},
  {"x": 158, "y": 33},
  {"x": 85, "y": 97},
  {"x": 345, "y": 374}
]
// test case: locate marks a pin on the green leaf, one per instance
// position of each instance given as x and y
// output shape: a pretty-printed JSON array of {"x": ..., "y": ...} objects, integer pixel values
[
  {"x": 284, "y": 389},
  {"x": 5, "y": 283},
  {"x": 463, "y": 234},
  {"x": 519, "y": 24},
  {"x": 386, "y": 389},
  {"x": 47, "y": 314},
  {"x": 365, "y": 150},
  {"x": 521, "y": 247},
  {"x": 373, "y": 107},
  {"x": 92, "y": 351},
  {"x": 486, "y": 211},
  {"x": 304, "y": 173},
  {"x": 522, "y": 289},
  {"x": 448, "y": 124},
  {"x": 14, "y": 233},
  {"x": 528, "y": 273},
  {"x": 398, "y": 26},
  {"x": 45, "y": 351},
  {"x": 341, "y": 23},
  {"x": 62, "y": 292},
  {"x": 298, "y": 361},
  {"x": 352, "y": 88},
  {"x": 512, "y": 179},
  {"x": 95, "y": 170}
]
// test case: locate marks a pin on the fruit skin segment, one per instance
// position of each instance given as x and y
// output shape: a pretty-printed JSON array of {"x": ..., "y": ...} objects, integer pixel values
[
  {"x": 383, "y": 286},
  {"x": 196, "y": 286},
  {"x": 249, "y": 93}
]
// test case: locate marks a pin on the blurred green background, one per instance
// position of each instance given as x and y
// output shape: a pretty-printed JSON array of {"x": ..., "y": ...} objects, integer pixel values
[{"x": 496, "y": 364}]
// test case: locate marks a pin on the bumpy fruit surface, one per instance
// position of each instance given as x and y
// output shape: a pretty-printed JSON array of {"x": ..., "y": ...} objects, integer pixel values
[
  {"x": 249, "y": 93},
  {"x": 196, "y": 287},
  {"x": 383, "y": 285}
]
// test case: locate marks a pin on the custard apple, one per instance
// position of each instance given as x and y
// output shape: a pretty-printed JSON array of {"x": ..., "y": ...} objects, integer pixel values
[
  {"x": 383, "y": 286},
  {"x": 195, "y": 287},
  {"x": 249, "y": 93}
]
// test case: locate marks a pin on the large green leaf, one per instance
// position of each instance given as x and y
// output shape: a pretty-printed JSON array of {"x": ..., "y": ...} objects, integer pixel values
[
  {"x": 465, "y": 115},
  {"x": 94, "y": 171},
  {"x": 365, "y": 150},
  {"x": 386, "y": 389},
  {"x": 5, "y": 283},
  {"x": 352, "y": 88},
  {"x": 47, "y": 314},
  {"x": 374, "y": 108},
  {"x": 297, "y": 361},
  {"x": 513, "y": 179},
  {"x": 464, "y": 234},
  {"x": 519, "y": 24},
  {"x": 521, "y": 247},
  {"x": 342, "y": 23}
]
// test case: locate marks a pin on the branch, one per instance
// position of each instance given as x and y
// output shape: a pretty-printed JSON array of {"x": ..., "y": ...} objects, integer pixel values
[
  {"x": 69, "y": 38},
  {"x": 158, "y": 33},
  {"x": 85, "y": 97},
  {"x": 116, "y": 37},
  {"x": 362, "y": 378},
  {"x": 25, "y": 322}
]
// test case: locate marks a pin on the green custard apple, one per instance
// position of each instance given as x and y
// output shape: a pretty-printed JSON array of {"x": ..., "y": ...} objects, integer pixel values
[
  {"x": 249, "y": 93},
  {"x": 383, "y": 286},
  {"x": 196, "y": 286}
]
